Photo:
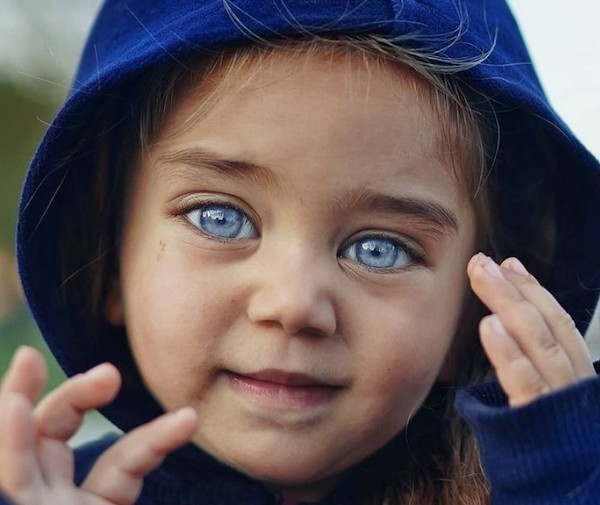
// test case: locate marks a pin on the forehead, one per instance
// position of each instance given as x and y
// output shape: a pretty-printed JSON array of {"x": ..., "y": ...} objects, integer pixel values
[
  {"x": 352, "y": 71},
  {"x": 315, "y": 112}
]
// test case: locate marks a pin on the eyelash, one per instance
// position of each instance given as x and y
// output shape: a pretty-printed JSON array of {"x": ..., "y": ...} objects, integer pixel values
[{"x": 402, "y": 246}]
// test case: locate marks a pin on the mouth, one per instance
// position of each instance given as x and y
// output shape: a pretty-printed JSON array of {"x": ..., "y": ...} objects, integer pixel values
[{"x": 281, "y": 390}]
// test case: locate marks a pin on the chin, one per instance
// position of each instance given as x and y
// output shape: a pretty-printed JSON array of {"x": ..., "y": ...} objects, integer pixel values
[
  {"x": 278, "y": 469},
  {"x": 293, "y": 481}
]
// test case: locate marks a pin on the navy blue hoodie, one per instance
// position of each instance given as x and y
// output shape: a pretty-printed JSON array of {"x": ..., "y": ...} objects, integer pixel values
[{"x": 131, "y": 37}]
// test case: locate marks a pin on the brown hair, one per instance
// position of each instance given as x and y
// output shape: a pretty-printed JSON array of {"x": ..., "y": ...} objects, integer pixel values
[{"x": 438, "y": 461}]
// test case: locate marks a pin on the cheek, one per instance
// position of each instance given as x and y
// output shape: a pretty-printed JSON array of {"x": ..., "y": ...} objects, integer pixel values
[
  {"x": 405, "y": 371},
  {"x": 174, "y": 316},
  {"x": 402, "y": 345},
  {"x": 175, "y": 292},
  {"x": 399, "y": 384},
  {"x": 410, "y": 324}
]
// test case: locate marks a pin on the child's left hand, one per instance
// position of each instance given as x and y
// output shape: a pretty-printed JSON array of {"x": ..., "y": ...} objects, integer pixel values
[{"x": 531, "y": 341}]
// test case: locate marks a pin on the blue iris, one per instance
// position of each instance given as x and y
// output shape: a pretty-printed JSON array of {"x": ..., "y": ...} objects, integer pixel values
[
  {"x": 222, "y": 221},
  {"x": 378, "y": 253}
]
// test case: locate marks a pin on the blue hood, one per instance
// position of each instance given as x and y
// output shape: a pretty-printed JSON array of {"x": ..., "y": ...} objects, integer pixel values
[{"x": 131, "y": 36}]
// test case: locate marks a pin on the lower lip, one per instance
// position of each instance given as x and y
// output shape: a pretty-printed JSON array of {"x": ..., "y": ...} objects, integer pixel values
[{"x": 279, "y": 396}]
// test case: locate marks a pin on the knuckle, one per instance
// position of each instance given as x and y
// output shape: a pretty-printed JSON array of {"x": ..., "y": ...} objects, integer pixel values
[
  {"x": 541, "y": 340},
  {"x": 552, "y": 352},
  {"x": 528, "y": 380},
  {"x": 526, "y": 280},
  {"x": 551, "y": 348},
  {"x": 525, "y": 322},
  {"x": 564, "y": 320}
]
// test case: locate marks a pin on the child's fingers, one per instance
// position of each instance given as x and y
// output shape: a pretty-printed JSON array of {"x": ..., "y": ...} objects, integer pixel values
[
  {"x": 532, "y": 313},
  {"x": 519, "y": 378},
  {"x": 56, "y": 461},
  {"x": 60, "y": 414},
  {"x": 531, "y": 317},
  {"x": 523, "y": 322},
  {"x": 19, "y": 469},
  {"x": 560, "y": 323},
  {"x": 21, "y": 386},
  {"x": 119, "y": 473},
  {"x": 26, "y": 374}
]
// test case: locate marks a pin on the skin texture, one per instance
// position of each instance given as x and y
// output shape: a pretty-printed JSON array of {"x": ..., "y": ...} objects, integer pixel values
[
  {"x": 289, "y": 295},
  {"x": 286, "y": 299}
]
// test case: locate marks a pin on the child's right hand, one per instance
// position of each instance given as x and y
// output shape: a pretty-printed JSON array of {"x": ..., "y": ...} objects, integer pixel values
[{"x": 36, "y": 464}]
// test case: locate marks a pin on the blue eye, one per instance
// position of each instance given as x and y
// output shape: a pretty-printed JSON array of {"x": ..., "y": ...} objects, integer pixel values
[
  {"x": 379, "y": 253},
  {"x": 222, "y": 222}
]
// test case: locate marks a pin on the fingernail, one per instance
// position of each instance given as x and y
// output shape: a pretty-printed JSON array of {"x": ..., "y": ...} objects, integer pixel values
[
  {"x": 492, "y": 268},
  {"x": 517, "y": 267}
]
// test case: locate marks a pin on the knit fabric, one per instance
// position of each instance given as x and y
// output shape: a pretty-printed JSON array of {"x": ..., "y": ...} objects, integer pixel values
[{"x": 547, "y": 452}]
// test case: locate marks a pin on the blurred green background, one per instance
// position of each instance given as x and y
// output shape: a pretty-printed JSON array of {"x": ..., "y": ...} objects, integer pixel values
[
  {"x": 39, "y": 45},
  {"x": 21, "y": 110}
]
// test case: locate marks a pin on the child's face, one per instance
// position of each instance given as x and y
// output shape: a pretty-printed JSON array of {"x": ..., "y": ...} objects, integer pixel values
[{"x": 293, "y": 267}]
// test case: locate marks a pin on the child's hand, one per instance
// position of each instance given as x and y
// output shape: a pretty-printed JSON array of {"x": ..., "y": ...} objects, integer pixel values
[
  {"x": 36, "y": 464},
  {"x": 531, "y": 341}
]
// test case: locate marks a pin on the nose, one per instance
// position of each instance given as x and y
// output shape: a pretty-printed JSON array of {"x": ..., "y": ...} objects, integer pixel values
[{"x": 293, "y": 292}]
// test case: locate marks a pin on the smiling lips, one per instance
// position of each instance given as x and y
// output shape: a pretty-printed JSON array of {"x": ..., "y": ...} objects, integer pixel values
[{"x": 279, "y": 390}]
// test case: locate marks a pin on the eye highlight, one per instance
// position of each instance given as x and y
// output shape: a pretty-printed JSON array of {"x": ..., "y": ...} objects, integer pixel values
[
  {"x": 379, "y": 253},
  {"x": 222, "y": 222}
]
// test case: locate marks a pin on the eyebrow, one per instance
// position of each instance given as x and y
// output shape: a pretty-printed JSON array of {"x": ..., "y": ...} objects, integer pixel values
[
  {"x": 433, "y": 216},
  {"x": 186, "y": 163}
]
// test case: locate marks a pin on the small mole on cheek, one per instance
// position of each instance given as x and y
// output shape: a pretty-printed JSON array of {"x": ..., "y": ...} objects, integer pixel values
[{"x": 162, "y": 245}]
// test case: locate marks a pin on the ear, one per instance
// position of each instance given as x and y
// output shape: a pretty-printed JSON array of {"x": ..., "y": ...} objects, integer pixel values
[{"x": 113, "y": 308}]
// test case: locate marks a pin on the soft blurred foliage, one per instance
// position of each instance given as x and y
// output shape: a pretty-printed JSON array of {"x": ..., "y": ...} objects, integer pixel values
[
  {"x": 23, "y": 120},
  {"x": 24, "y": 113},
  {"x": 39, "y": 45}
]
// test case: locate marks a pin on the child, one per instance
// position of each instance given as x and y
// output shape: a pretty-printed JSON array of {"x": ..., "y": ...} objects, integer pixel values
[{"x": 265, "y": 216}]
